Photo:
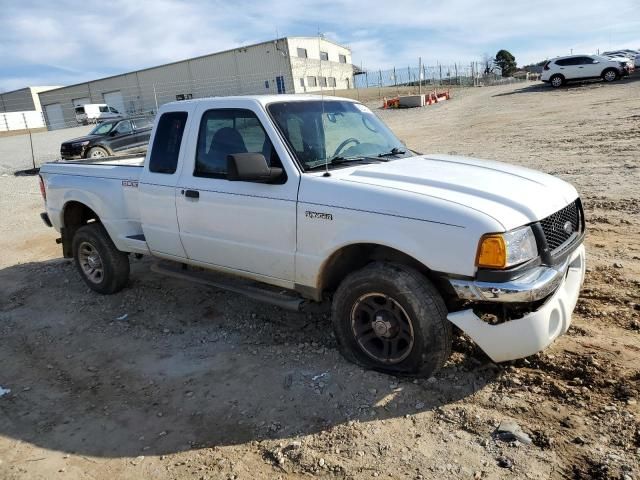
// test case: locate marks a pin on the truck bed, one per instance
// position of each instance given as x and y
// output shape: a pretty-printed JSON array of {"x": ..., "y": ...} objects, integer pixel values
[{"x": 109, "y": 185}]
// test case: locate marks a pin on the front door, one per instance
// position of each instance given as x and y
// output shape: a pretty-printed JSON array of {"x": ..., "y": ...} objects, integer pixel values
[
  {"x": 243, "y": 226},
  {"x": 122, "y": 137}
]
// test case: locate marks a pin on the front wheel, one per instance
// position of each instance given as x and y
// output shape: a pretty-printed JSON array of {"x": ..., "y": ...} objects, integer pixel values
[
  {"x": 97, "y": 152},
  {"x": 610, "y": 75},
  {"x": 101, "y": 265},
  {"x": 389, "y": 317},
  {"x": 556, "y": 81}
]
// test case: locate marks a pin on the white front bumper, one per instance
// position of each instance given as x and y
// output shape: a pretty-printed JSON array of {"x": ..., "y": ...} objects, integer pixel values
[{"x": 533, "y": 332}]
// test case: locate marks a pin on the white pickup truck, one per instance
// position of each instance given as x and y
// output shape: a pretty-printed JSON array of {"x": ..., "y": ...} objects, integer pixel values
[{"x": 317, "y": 196}]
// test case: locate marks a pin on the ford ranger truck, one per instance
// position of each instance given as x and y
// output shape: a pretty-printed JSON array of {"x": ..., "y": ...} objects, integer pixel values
[{"x": 316, "y": 196}]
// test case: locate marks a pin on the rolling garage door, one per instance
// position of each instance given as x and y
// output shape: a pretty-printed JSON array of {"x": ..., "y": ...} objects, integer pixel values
[
  {"x": 115, "y": 100},
  {"x": 55, "y": 117}
]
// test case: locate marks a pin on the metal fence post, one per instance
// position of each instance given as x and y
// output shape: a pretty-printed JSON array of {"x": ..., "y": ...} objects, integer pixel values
[
  {"x": 380, "y": 84},
  {"x": 395, "y": 81},
  {"x": 419, "y": 75},
  {"x": 155, "y": 96}
]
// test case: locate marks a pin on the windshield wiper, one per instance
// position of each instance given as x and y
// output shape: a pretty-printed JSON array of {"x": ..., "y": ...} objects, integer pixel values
[
  {"x": 393, "y": 151},
  {"x": 337, "y": 160}
]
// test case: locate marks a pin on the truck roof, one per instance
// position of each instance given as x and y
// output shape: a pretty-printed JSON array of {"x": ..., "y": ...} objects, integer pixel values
[{"x": 266, "y": 99}]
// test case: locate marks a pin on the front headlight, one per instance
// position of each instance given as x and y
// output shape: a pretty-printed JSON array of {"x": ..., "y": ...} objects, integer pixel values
[
  {"x": 503, "y": 250},
  {"x": 80, "y": 144}
]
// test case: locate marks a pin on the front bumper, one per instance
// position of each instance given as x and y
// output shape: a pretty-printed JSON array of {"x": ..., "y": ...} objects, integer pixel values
[
  {"x": 536, "y": 330},
  {"x": 534, "y": 285},
  {"x": 70, "y": 152}
]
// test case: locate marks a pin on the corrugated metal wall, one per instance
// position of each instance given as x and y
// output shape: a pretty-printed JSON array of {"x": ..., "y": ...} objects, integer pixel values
[
  {"x": 17, "y": 101},
  {"x": 258, "y": 69}
]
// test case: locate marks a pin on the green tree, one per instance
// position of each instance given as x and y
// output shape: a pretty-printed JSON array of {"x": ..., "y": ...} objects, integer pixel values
[{"x": 506, "y": 62}]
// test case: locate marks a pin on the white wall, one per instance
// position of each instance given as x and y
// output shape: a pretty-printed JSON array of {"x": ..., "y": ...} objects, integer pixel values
[
  {"x": 312, "y": 66},
  {"x": 21, "y": 120}
]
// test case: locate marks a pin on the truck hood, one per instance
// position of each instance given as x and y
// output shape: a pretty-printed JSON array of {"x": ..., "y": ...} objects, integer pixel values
[{"x": 511, "y": 195}]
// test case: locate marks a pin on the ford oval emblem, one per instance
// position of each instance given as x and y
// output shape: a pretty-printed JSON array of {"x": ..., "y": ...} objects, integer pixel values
[{"x": 568, "y": 228}]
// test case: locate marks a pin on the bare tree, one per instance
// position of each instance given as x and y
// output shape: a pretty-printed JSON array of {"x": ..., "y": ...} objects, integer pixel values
[{"x": 488, "y": 63}]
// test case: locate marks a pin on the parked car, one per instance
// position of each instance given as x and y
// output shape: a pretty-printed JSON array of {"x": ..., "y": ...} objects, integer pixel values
[
  {"x": 95, "y": 112},
  {"x": 114, "y": 137},
  {"x": 318, "y": 197},
  {"x": 633, "y": 55},
  {"x": 561, "y": 70}
]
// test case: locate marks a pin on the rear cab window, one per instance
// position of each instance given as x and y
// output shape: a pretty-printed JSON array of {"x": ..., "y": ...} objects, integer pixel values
[{"x": 166, "y": 143}]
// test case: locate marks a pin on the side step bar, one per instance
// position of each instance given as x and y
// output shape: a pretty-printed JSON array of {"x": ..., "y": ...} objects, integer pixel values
[{"x": 287, "y": 302}]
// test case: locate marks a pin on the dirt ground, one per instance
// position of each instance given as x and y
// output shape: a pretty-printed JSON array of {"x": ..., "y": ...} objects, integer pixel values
[{"x": 169, "y": 380}]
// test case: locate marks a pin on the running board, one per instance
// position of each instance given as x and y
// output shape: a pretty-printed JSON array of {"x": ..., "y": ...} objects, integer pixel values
[{"x": 287, "y": 302}]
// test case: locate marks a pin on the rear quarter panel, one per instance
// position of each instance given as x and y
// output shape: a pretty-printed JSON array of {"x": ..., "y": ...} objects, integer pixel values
[{"x": 110, "y": 191}]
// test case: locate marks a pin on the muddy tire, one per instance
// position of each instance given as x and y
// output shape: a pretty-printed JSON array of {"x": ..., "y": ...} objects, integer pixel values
[
  {"x": 390, "y": 318},
  {"x": 97, "y": 153},
  {"x": 101, "y": 265}
]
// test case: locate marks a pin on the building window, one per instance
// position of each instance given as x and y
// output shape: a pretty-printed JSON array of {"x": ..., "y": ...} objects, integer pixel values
[
  {"x": 323, "y": 81},
  {"x": 266, "y": 84},
  {"x": 324, "y": 56},
  {"x": 302, "y": 82},
  {"x": 312, "y": 82},
  {"x": 302, "y": 52},
  {"x": 342, "y": 58},
  {"x": 184, "y": 96},
  {"x": 332, "y": 81}
]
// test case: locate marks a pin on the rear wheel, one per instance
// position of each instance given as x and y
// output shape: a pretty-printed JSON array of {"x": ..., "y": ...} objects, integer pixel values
[
  {"x": 97, "y": 152},
  {"x": 556, "y": 81},
  {"x": 609, "y": 75},
  {"x": 101, "y": 265},
  {"x": 390, "y": 318}
]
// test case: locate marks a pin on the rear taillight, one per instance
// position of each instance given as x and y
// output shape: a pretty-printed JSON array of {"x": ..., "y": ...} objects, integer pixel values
[
  {"x": 43, "y": 191},
  {"x": 546, "y": 66}
]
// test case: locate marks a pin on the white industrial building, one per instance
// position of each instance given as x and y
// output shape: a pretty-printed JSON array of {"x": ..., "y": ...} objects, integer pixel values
[{"x": 285, "y": 65}]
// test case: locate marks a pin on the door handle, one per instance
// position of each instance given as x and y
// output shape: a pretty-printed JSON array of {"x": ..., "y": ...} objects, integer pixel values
[{"x": 192, "y": 193}]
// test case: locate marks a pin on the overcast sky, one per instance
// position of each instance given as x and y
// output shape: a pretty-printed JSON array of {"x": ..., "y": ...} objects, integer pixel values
[{"x": 63, "y": 41}]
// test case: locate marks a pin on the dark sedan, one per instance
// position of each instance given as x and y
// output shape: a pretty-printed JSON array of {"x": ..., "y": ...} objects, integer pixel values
[{"x": 115, "y": 137}]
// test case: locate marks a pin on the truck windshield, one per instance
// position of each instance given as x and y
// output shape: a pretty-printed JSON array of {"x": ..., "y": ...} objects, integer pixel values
[
  {"x": 102, "y": 128},
  {"x": 334, "y": 132}
]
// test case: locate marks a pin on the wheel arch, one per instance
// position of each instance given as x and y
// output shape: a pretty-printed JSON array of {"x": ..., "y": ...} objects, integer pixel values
[
  {"x": 355, "y": 256},
  {"x": 74, "y": 215}
]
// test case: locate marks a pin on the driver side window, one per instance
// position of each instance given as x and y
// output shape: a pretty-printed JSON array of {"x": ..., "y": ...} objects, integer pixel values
[
  {"x": 225, "y": 132},
  {"x": 124, "y": 128}
]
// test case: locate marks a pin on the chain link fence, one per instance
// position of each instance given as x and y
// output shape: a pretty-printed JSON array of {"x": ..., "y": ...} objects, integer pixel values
[{"x": 31, "y": 148}]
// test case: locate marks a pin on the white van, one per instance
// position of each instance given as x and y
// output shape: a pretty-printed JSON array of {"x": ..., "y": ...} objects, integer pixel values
[{"x": 95, "y": 112}]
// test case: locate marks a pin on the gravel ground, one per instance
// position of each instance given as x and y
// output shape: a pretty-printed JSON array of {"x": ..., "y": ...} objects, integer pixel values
[
  {"x": 15, "y": 151},
  {"x": 171, "y": 380}
]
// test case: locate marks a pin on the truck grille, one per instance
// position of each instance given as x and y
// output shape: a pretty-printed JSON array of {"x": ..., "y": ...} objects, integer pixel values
[{"x": 555, "y": 226}]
